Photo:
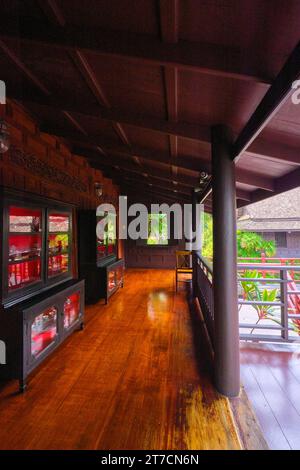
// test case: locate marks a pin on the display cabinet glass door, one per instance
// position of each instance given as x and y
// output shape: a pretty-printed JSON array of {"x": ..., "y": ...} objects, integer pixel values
[
  {"x": 111, "y": 280},
  {"x": 106, "y": 235},
  {"x": 72, "y": 310},
  {"x": 24, "y": 247},
  {"x": 44, "y": 330},
  {"x": 119, "y": 275},
  {"x": 59, "y": 244}
]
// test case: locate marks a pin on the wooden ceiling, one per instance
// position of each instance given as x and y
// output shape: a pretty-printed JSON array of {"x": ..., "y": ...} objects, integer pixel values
[{"x": 135, "y": 86}]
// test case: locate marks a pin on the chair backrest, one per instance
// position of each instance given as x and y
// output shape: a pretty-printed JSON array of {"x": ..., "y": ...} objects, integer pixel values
[{"x": 183, "y": 259}]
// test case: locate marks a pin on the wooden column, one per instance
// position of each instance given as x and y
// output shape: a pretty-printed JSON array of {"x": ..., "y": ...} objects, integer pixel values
[
  {"x": 226, "y": 323},
  {"x": 195, "y": 251}
]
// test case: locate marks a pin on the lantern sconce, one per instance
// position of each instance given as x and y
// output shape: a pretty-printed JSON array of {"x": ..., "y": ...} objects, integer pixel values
[{"x": 98, "y": 189}]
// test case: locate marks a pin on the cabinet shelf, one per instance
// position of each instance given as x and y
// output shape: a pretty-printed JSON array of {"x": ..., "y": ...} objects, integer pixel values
[
  {"x": 20, "y": 261},
  {"x": 24, "y": 233},
  {"x": 52, "y": 255},
  {"x": 58, "y": 233}
]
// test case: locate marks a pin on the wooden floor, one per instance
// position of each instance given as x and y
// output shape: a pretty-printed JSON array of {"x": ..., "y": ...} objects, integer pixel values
[
  {"x": 271, "y": 377},
  {"x": 130, "y": 380}
]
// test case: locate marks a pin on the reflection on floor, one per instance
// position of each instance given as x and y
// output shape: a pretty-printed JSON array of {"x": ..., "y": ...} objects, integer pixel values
[
  {"x": 271, "y": 377},
  {"x": 130, "y": 380}
]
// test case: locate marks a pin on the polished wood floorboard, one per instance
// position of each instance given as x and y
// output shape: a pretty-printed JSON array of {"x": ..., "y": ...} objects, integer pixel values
[
  {"x": 271, "y": 377},
  {"x": 130, "y": 380}
]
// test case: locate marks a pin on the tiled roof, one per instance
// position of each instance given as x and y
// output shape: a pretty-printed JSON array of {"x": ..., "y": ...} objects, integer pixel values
[{"x": 278, "y": 213}]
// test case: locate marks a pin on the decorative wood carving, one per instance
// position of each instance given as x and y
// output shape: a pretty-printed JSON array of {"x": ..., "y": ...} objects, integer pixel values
[{"x": 45, "y": 170}]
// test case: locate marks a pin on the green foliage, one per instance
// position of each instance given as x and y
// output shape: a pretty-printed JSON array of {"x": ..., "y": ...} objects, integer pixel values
[
  {"x": 252, "y": 245},
  {"x": 207, "y": 236},
  {"x": 157, "y": 229},
  {"x": 249, "y": 244},
  {"x": 253, "y": 292}
]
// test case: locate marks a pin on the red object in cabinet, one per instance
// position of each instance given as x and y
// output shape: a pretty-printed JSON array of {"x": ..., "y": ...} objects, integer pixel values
[
  {"x": 36, "y": 243},
  {"x": 43, "y": 330},
  {"x": 71, "y": 310}
]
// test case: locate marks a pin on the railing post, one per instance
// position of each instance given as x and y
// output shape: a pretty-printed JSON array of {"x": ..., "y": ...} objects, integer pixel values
[
  {"x": 226, "y": 322},
  {"x": 284, "y": 300}
]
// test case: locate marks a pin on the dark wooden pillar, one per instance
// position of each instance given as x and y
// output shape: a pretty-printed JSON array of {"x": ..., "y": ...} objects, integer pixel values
[
  {"x": 227, "y": 364},
  {"x": 195, "y": 251}
]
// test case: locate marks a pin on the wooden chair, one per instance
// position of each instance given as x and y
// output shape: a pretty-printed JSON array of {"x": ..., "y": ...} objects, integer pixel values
[{"x": 183, "y": 265}]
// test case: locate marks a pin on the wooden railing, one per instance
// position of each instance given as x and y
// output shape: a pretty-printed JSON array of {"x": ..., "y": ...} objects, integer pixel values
[
  {"x": 204, "y": 291},
  {"x": 269, "y": 299}
]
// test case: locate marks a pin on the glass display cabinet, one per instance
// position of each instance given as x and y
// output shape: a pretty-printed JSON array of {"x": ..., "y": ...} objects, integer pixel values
[
  {"x": 23, "y": 248},
  {"x": 41, "y": 303},
  {"x": 36, "y": 246},
  {"x": 113, "y": 277},
  {"x": 107, "y": 244},
  {"x": 59, "y": 234},
  {"x": 35, "y": 327},
  {"x": 98, "y": 256}
]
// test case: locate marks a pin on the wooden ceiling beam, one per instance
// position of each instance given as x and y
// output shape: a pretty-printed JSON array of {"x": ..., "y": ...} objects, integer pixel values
[
  {"x": 151, "y": 196},
  {"x": 254, "y": 179},
  {"x": 155, "y": 190},
  {"x": 54, "y": 13},
  {"x": 151, "y": 155},
  {"x": 146, "y": 180},
  {"x": 282, "y": 184},
  {"x": 131, "y": 167},
  {"x": 138, "y": 177},
  {"x": 274, "y": 151},
  {"x": 163, "y": 179},
  {"x": 240, "y": 194},
  {"x": 279, "y": 92},
  {"x": 180, "y": 129},
  {"x": 31, "y": 77},
  {"x": 169, "y": 34},
  {"x": 260, "y": 147},
  {"x": 142, "y": 48},
  {"x": 184, "y": 161}
]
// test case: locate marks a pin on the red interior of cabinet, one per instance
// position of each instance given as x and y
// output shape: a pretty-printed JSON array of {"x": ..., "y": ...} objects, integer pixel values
[
  {"x": 58, "y": 264},
  {"x": 43, "y": 330},
  {"x": 24, "y": 220},
  {"x": 21, "y": 211},
  {"x": 23, "y": 247},
  {"x": 21, "y": 274},
  {"x": 71, "y": 309},
  {"x": 58, "y": 223}
]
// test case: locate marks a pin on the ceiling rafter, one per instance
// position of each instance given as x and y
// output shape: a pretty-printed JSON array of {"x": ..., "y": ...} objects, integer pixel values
[
  {"x": 54, "y": 13},
  {"x": 265, "y": 148},
  {"x": 273, "y": 150},
  {"x": 151, "y": 155},
  {"x": 169, "y": 34},
  {"x": 187, "y": 183},
  {"x": 129, "y": 166},
  {"x": 35, "y": 80},
  {"x": 148, "y": 194},
  {"x": 282, "y": 184},
  {"x": 240, "y": 194},
  {"x": 185, "y": 161},
  {"x": 180, "y": 129},
  {"x": 152, "y": 188},
  {"x": 279, "y": 92},
  {"x": 143, "y": 48},
  {"x": 141, "y": 179}
]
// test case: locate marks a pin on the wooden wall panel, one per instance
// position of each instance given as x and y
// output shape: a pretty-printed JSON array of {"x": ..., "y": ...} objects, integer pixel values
[{"x": 148, "y": 256}]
